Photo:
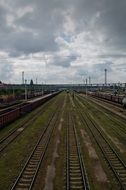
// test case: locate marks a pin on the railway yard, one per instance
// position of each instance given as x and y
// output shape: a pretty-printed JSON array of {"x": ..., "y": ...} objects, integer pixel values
[
  {"x": 62, "y": 95},
  {"x": 64, "y": 140}
]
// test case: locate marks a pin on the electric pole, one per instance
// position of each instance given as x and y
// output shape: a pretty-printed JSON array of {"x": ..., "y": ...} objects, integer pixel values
[
  {"x": 25, "y": 89},
  {"x": 105, "y": 77},
  {"x": 23, "y": 77},
  {"x": 42, "y": 88},
  {"x": 89, "y": 80},
  {"x": 86, "y": 87}
]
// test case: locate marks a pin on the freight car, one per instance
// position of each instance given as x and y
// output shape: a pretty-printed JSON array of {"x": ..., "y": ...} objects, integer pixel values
[
  {"x": 13, "y": 98},
  {"x": 11, "y": 116},
  {"x": 109, "y": 97}
]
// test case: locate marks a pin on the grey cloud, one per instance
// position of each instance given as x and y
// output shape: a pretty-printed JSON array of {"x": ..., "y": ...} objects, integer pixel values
[
  {"x": 63, "y": 61},
  {"x": 103, "y": 22},
  {"x": 101, "y": 66},
  {"x": 33, "y": 32},
  {"x": 121, "y": 67},
  {"x": 112, "y": 21},
  {"x": 113, "y": 55},
  {"x": 47, "y": 19},
  {"x": 6, "y": 70},
  {"x": 82, "y": 71},
  {"x": 94, "y": 72}
]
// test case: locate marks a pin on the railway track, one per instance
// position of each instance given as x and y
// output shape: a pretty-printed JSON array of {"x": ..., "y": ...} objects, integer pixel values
[
  {"x": 113, "y": 159},
  {"x": 76, "y": 176},
  {"x": 13, "y": 134},
  {"x": 4, "y": 142},
  {"x": 29, "y": 172},
  {"x": 120, "y": 112},
  {"x": 117, "y": 105},
  {"x": 118, "y": 126}
]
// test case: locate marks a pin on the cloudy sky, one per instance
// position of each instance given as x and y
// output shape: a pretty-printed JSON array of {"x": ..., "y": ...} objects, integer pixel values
[{"x": 62, "y": 41}]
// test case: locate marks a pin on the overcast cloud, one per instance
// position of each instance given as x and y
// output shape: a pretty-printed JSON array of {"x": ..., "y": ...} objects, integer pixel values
[{"x": 62, "y": 41}]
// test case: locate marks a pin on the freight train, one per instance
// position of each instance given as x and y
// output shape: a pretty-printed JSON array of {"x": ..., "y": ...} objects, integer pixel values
[
  {"x": 114, "y": 98},
  {"x": 11, "y": 116},
  {"x": 6, "y": 99}
]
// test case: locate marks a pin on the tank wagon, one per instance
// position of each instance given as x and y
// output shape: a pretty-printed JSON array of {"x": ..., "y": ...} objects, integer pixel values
[
  {"x": 124, "y": 102},
  {"x": 11, "y": 116}
]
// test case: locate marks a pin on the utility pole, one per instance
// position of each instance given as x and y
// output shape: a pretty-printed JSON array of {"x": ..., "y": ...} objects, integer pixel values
[
  {"x": 125, "y": 89},
  {"x": 42, "y": 88},
  {"x": 89, "y": 83},
  {"x": 83, "y": 85},
  {"x": 89, "y": 80},
  {"x": 86, "y": 87},
  {"x": 25, "y": 90},
  {"x": 13, "y": 91},
  {"x": 23, "y": 77},
  {"x": 105, "y": 77},
  {"x": 36, "y": 85}
]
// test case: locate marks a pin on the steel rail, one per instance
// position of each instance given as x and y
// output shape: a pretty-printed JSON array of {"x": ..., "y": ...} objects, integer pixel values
[
  {"x": 76, "y": 176},
  {"x": 114, "y": 160},
  {"x": 9, "y": 138},
  {"x": 29, "y": 172}
]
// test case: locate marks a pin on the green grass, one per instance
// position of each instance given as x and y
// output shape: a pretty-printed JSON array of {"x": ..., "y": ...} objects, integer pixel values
[
  {"x": 90, "y": 164},
  {"x": 113, "y": 125},
  {"x": 15, "y": 155},
  {"x": 21, "y": 121},
  {"x": 61, "y": 159},
  {"x": 40, "y": 181}
]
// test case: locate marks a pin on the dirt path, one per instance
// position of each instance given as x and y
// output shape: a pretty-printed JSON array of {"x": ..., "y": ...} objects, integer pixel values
[{"x": 51, "y": 170}]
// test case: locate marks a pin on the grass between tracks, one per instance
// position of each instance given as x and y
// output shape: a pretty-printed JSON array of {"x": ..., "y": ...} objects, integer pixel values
[
  {"x": 15, "y": 155},
  {"x": 112, "y": 125},
  {"x": 59, "y": 181},
  {"x": 94, "y": 160},
  {"x": 21, "y": 121},
  {"x": 48, "y": 170}
]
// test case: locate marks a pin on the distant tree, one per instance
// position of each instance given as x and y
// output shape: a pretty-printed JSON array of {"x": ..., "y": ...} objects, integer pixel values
[{"x": 31, "y": 82}]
